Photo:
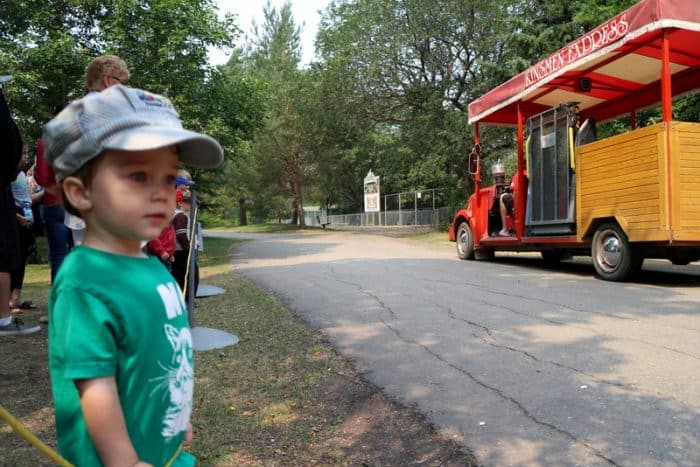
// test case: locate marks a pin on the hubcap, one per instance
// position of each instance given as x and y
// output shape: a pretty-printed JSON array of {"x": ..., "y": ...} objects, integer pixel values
[
  {"x": 462, "y": 240},
  {"x": 609, "y": 252}
]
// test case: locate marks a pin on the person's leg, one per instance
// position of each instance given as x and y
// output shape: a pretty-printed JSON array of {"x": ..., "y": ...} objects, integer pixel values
[
  {"x": 9, "y": 258},
  {"x": 503, "y": 206},
  {"x": 196, "y": 278},
  {"x": 179, "y": 268},
  {"x": 26, "y": 239},
  {"x": 57, "y": 236},
  {"x": 4, "y": 295},
  {"x": 9, "y": 249}
]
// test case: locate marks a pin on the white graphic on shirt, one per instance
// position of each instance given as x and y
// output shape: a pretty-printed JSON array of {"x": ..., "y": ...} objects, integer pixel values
[
  {"x": 178, "y": 382},
  {"x": 172, "y": 299}
]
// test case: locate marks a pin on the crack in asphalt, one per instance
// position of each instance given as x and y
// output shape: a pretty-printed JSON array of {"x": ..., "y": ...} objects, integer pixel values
[
  {"x": 562, "y": 323},
  {"x": 453, "y": 315},
  {"x": 628, "y": 387},
  {"x": 493, "y": 343},
  {"x": 573, "y": 325},
  {"x": 495, "y": 390},
  {"x": 502, "y": 395},
  {"x": 482, "y": 287},
  {"x": 370, "y": 294}
]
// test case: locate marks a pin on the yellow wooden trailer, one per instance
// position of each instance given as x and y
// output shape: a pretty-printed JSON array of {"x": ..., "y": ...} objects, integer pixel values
[{"x": 619, "y": 199}]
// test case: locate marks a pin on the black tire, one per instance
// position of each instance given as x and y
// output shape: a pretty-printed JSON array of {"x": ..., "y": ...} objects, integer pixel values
[
  {"x": 465, "y": 241},
  {"x": 614, "y": 257}
]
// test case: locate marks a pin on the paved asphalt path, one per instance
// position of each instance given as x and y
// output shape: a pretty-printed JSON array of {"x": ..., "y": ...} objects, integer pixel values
[{"x": 522, "y": 364}]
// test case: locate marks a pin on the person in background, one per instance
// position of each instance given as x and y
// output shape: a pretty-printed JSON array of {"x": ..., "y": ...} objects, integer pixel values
[
  {"x": 181, "y": 225},
  {"x": 517, "y": 183},
  {"x": 184, "y": 183},
  {"x": 10, "y": 156},
  {"x": 102, "y": 72},
  {"x": 163, "y": 247},
  {"x": 120, "y": 348},
  {"x": 184, "y": 180},
  {"x": 57, "y": 234},
  {"x": 37, "y": 193},
  {"x": 105, "y": 71},
  {"x": 25, "y": 218}
]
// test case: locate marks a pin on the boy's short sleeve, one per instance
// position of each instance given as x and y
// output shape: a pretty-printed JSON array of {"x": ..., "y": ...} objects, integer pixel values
[{"x": 87, "y": 334}]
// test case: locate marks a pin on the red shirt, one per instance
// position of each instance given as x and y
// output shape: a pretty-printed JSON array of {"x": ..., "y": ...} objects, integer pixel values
[
  {"x": 44, "y": 176},
  {"x": 164, "y": 243}
]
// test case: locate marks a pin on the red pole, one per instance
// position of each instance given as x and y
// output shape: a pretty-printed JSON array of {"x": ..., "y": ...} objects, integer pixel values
[
  {"x": 477, "y": 140},
  {"x": 666, "y": 95},
  {"x": 520, "y": 199},
  {"x": 667, "y": 113}
]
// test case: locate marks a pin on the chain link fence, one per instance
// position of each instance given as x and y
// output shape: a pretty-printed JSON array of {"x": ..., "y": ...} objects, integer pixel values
[
  {"x": 433, "y": 217},
  {"x": 408, "y": 208}
]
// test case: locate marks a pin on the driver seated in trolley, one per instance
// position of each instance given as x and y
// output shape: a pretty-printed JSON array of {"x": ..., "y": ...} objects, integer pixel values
[{"x": 505, "y": 199}]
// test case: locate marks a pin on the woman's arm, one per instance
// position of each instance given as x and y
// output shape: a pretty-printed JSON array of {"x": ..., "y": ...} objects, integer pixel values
[{"x": 104, "y": 418}]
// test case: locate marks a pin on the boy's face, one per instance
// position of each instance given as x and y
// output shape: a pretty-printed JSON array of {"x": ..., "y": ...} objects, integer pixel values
[{"x": 130, "y": 197}]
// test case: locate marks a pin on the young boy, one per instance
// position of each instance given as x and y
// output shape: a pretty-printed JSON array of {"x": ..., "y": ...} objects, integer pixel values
[
  {"x": 181, "y": 225},
  {"x": 120, "y": 349}
]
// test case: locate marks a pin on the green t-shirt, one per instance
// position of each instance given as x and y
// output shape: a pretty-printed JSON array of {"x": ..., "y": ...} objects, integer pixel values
[{"x": 120, "y": 316}]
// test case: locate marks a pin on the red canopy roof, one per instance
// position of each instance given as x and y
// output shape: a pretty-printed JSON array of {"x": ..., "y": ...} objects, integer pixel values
[{"x": 620, "y": 61}]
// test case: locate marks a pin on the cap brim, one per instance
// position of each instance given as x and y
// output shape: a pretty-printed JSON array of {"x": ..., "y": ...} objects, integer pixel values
[
  {"x": 196, "y": 150},
  {"x": 183, "y": 181}
]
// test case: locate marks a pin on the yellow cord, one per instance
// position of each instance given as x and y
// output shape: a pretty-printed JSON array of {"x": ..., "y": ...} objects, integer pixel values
[
  {"x": 33, "y": 440},
  {"x": 174, "y": 456},
  {"x": 189, "y": 252}
]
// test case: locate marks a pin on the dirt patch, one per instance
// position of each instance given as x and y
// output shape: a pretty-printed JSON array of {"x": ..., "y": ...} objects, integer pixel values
[{"x": 377, "y": 431}]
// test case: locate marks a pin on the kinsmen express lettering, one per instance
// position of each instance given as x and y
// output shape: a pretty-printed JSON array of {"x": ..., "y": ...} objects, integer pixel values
[{"x": 605, "y": 34}]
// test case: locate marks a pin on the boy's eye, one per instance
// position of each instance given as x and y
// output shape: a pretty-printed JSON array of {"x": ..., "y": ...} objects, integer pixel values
[
  {"x": 139, "y": 176},
  {"x": 170, "y": 180}
]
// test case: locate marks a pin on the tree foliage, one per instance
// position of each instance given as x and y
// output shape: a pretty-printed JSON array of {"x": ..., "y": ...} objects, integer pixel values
[
  {"x": 389, "y": 92},
  {"x": 280, "y": 158},
  {"x": 47, "y": 45}
]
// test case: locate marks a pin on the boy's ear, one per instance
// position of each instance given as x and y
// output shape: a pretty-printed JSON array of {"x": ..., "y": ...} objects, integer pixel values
[{"x": 77, "y": 193}]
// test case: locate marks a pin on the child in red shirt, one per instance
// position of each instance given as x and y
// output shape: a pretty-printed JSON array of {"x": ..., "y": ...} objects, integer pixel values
[{"x": 164, "y": 247}]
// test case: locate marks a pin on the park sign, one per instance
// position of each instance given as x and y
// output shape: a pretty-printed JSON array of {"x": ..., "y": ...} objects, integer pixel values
[{"x": 372, "y": 192}]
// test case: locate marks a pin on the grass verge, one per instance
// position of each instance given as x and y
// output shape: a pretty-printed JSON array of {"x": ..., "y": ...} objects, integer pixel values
[
  {"x": 434, "y": 237},
  {"x": 261, "y": 228},
  {"x": 281, "y": 396}
]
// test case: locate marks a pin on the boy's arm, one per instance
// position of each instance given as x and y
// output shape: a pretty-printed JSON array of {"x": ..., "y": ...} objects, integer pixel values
[
  {"x": 180, "y": 226},
  {"x": 104, "y": 418},
  {"x": 155, "y": 247}
]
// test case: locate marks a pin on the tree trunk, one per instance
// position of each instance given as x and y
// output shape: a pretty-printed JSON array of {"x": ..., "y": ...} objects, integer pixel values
[
  {"x": 243, "y": 214},
  {"x": 295, "y": 212},
  {"x": 299, "y": 204}
]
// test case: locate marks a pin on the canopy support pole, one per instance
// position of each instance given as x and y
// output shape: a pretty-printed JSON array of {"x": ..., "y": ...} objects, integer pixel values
[
  {"x": 666, "y": 95},
  {"x": 667, "y": 113},
  {"x": 520, "y": 199}
]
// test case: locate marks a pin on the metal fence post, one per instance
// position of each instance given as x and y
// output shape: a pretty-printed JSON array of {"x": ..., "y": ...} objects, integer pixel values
[
  {"x": 384, "y": 211},
  {"x": 415, "y": 208}
]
